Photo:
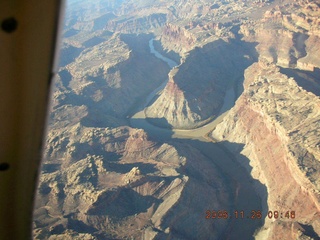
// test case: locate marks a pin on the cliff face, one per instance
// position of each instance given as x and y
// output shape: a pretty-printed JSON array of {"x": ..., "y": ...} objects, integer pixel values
[
  {"x": 288, "y": 35},
  {"x": 126, "y": 185},
  {"x": 138, "y": 24},
  {"x": 104, "y": 79},
  {"x": 278, "y": 123},
  {"x": 177, "y": 38},
  {"x": 103, "y": 179},
  {"x": 195, "y": 90},
  {"x": 276, "y": 119}
]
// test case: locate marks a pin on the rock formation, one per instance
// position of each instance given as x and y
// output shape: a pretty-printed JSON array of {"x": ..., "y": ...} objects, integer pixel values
[
  {"x": 131, "y": 189},
  {"x": 277, "y": 122},
  {"x": 288, "y": 35},
  {"x": 102, "y": 178},
  {"x": 196, "y": 88},
  {"x": 103, "y": 79},
  {"x": 138, "y": 25}
]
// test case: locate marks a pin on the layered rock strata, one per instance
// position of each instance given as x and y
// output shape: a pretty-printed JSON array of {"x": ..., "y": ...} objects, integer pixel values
[
  {"x": 102, "y": 179},
  {"x": 277, "y": 122},
  {"x": 195, "y": 91},
  {"x": 126, "y": 185},
  {"x": 101, "y": 82},
  {"x": 288, "y": 35}
]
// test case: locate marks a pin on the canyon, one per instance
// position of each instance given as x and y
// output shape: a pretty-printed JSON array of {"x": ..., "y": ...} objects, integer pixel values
[{"x": 184, "y": 120}]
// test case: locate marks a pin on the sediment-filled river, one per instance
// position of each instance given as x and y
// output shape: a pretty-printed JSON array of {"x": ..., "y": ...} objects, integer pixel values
[{"x": 243, "y": 194}]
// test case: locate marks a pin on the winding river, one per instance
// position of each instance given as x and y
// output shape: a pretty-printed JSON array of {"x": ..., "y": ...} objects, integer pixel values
[
  {"x": 138, "y": 119},
  {"x": 244, "y": 196}
]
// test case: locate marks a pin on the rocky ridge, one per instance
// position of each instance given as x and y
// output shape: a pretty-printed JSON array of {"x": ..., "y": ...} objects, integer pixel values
[
  {"x": 130, "y": 189},
  {"x": 103, "y": 79},
  {"x": 277, "y": 122},
  {"x": 195, "y": 90},
  {"x": 288, "y": 35},
  {"x": 102, "y": 179},
  {"x": 276, "y": 119}
]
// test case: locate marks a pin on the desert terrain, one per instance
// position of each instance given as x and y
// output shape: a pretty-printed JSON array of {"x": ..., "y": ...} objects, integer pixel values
[{"x": 184, "y": 120}]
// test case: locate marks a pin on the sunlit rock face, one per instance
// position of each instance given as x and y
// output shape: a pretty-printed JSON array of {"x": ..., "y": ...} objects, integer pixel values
[
  {"x": 196, "y": 88},
  {"x": 103, "y": 177},
  {"x": 288, "y": 35},
  {"x": 278, "y": 123},
  {"x": 277, "y": 116},
  {"x": 130, "y": 189}
]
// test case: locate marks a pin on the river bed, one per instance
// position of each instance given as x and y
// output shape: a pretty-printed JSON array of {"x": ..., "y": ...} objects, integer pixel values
[
  {"x": 244, "y": 196},
  {"x": 138, "y": 119}
]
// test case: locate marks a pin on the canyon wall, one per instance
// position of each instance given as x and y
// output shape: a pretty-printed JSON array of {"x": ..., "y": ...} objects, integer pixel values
[
  {"x": 278, "y": 124},
  {"x": 288, "y": 35},
  {"x": 103, "y": 179},
  {"x": 126, "y": 185},
  {"x": 195, "y": 91},
  {"x": 104, "y": 79}
]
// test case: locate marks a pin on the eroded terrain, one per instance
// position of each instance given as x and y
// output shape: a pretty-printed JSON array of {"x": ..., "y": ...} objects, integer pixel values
[{"x": 141, "y": 148}]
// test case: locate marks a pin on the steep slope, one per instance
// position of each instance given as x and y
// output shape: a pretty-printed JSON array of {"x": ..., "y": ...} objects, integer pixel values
[
  {"x": 288, "y": 34},
  {"x": 107, "y": 80},
  {"x": 102, "y": 179},
  {"x": 196, "y": 88},
  {"x": 278, "y": 124},
  {"x": 135, "y": 187}
]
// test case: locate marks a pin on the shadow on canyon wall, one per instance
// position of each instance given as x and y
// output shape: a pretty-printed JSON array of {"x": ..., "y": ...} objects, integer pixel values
[
  {"x": 121, "y": 203},
  {"x": 154, "y": 132},
  {"x": 145, "y": 168},
  {"x": 69, "y": 54},
  {"x": 243, "y": 188},
  {"x": 167, "y": 53},
  {"x": 310, "y": 232},
  {"x": 248, "y": 195},
  {"x": 207, "y": 73},
  {"x": 218, "y": 62},
  {"x": 159, "y": 122},
  {"x": 113, "y": 103},
  {"x": 66, "y": 77},
  {"x": 225, "y": 61},
  {"x": 310, "y": 81}
]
